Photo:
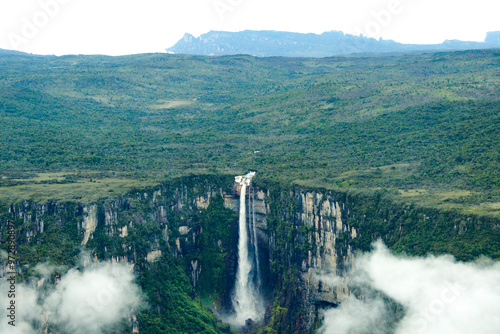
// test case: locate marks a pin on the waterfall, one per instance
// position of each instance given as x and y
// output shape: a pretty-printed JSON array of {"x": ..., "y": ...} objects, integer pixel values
[
  {"x": 254, "y": 243},
  {"x": 247, "y": 301}
]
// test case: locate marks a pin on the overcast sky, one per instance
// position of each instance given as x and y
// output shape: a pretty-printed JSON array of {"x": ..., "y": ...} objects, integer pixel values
[{"x": 118, "y": 27}]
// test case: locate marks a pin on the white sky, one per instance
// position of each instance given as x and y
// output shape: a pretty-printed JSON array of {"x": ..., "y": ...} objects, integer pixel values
[{"x": 118, "y": 27}]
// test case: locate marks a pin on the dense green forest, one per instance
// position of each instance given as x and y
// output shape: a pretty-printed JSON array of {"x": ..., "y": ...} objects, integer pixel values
[{"x": 422, "y": 126}]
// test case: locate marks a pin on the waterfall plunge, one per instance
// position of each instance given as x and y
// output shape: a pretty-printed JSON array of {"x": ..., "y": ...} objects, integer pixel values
[{"x": 247, "y": 301}]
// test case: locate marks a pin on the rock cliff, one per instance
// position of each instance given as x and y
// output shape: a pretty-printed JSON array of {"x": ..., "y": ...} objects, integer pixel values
[{"x": 191, "y": 224}]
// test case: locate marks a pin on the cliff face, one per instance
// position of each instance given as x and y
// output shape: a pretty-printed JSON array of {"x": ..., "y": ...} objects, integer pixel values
[
  {"x": 301, "y": 235},
  {"x": 312, "y": 222},
  {"x": 321, "y": 215},
  {"x": 314, "y": 232},
  {"x": 191, "y": 224},
  {"x": 175, "y": 235}
]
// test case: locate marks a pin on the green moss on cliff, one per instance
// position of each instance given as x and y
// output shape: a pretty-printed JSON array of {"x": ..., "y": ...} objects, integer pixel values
[{"x": 172, "y": 305}]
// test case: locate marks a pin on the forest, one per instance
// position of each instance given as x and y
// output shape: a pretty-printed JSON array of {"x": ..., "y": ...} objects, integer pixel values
[{"x": 424, "y": 127}]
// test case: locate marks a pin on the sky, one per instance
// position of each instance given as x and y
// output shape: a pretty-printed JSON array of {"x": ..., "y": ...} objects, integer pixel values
[{"x": 119, "y": 27}]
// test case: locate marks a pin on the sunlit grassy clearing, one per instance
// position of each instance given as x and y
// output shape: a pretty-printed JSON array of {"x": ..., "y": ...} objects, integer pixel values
[
  {"x": 86, "y": 190},
  {"x": 171, "y": 104}
]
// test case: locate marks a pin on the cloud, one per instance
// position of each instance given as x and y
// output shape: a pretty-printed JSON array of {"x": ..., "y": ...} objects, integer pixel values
[
  {"x": 26, "y": 309},
  {"x": 82, "y": 302},
  {"x": 330, "y": 279},
  {"x": 356, "y": 316},
  {"x": 46, "y": 269},
  {"x": 438, "y": 294}
]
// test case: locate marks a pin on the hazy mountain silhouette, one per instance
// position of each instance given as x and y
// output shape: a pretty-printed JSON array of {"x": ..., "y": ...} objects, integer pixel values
[{"x": 288, "y": 44}]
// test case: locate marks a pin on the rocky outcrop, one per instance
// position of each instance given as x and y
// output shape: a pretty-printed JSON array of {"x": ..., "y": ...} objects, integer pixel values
[
  {"x": 314, "y": 245},
  {"x": 89, "y": 223},
  {"x": 322, "y": 216},
  {"x": 153, "y": 256}
]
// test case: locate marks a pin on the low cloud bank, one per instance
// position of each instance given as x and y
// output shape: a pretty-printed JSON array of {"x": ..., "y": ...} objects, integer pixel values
[
  {"x": 82, "y": 302},
  {"x": 438, "y": 294}
]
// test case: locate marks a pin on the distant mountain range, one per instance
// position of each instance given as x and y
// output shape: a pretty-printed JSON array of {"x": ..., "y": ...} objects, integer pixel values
[{"x": 288, "y": 44}]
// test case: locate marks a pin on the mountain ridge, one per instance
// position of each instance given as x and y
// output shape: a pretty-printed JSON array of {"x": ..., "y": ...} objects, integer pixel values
[{"x": 268, "y": 43}]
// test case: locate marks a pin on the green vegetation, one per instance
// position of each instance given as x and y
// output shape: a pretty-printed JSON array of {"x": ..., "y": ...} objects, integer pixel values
[
  {"x": 416, "y": 231},
  {"x": 59, "y": 244},
  {"x": 422, "y": 126},
  {"x": 214, "y": 249},
  {"x": 171, "y": 309},
  {"x": 69, "y": 186}
]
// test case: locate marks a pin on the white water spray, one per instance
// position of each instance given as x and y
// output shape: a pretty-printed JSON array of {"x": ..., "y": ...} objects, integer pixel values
[
  {"x": 246, "y": 300},
  {"x": 255, "y": 244}
]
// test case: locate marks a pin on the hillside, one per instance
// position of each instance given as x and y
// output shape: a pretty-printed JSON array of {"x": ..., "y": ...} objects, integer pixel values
[
  {"x": 5, "y": 52},
  {"x": 422, "y": 128}
]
